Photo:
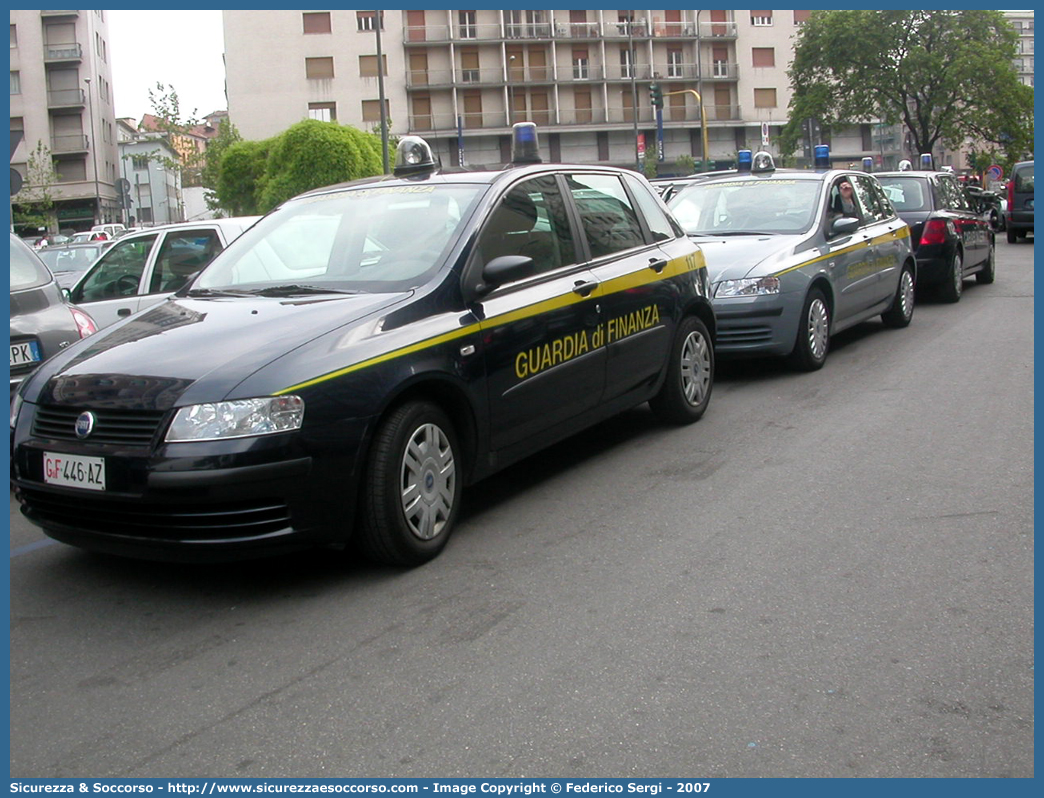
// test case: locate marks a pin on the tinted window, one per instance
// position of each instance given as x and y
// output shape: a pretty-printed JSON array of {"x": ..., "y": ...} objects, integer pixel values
[
  {"x": 182, "y": 254},
  {"x": 659, "y": 224},
  {"x": 609, "y": 222},
  {"x": 1024, "y": 178},
  {"x": 873, "y": 208},
  {"x": 950, "y": 194},
  {"x": 118, "y": 272},
  {"x": 530, "y": 220}
]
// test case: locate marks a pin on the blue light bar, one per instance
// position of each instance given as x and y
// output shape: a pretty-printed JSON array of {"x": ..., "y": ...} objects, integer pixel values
[
  {"x": 744, "y": 158},
  {"x": 926, "y": 161},
  {"x": 821, "y": 156},
  {"x": 868, "y": 164},
  {"x": 524, "y": 146}
]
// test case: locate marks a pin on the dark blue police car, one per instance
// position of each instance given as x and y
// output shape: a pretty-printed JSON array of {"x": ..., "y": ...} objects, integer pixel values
[{"x": 344, "y": 368}]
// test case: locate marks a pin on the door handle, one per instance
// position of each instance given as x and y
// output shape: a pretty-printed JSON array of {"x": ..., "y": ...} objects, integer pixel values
[
  {"x": 584, "y": 287},
  {"x": 657, "y": 264},
  {"x": 123, "y": 312}
]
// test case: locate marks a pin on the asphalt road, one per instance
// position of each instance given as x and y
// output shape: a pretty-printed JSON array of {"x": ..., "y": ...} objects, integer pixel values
[{"x": 830, "y": 575}]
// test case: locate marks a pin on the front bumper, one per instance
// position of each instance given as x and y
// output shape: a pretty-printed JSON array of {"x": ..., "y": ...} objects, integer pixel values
[
  {"x": 201, "y": 501},
  {"x": 758, "y": 325}
]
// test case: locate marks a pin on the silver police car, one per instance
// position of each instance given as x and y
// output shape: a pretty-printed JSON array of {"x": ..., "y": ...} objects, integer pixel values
[{"x": 795, "y": 256}]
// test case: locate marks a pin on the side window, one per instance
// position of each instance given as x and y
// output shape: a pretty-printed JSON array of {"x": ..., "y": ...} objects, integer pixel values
[
  {"x": 118, "y": 272},
  {"x": 874, "y": 211},
  {"x": 954, "y": 195},
  {"x": 882, "y": 198},
  {"x": 659, "y": 224},
  {"x": 844, "y": 201},
  {"x": 181, "y": 255},
  {"x": 609, "y": 222},
  {"x": 530, "y": 220}
]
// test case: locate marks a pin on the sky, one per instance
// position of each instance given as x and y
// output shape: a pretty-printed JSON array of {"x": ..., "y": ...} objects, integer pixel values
[{"x": 182, "y": 49}]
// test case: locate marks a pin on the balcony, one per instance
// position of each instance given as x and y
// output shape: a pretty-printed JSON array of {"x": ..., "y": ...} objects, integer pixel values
[
  {"x": 637, "y": 29},
  {"x": 66, "y": 98},
  {"x": 527, "y": 30},
  {"x": 476, "y": 78},
  {"x": 71, "y": 143},
  {"x": 59, "y": 13},
  {"x": 584, "y": 31},
  {"x": 717, "y": 30},
  {"x": 63, "y": 52},
  {"x": 720, "y": 70}
]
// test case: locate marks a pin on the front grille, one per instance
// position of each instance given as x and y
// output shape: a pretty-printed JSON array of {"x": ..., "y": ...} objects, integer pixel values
[
  {"x": 736, "y": 336},
  {"x": 116, "y": 427},
  {"x": 181, "y": 521}
]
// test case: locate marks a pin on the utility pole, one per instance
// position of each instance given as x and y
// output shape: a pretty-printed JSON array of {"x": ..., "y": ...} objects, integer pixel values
[
  {"x": 94, "y": 152},
  {"x": 377, "y": 21},
  {"x": 634, "y": 90}
]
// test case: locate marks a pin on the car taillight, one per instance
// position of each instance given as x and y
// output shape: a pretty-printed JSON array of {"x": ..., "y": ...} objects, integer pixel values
[
  {"x": 1011, "y": 195},
  {"x": 934, "y": 232},
  {"x": 84, "y": 323}
]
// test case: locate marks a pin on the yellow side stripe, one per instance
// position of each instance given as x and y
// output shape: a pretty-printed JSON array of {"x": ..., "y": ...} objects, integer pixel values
[
  {"x": 674, "y": 268},
  {"x": 903, "y": 233}
]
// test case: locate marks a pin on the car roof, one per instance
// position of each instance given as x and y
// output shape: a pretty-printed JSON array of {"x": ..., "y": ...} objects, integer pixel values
[{"x": 235, "y": 222}]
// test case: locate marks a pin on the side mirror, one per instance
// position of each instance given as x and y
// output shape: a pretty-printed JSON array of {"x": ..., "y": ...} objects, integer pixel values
[
  {"x": 845, "y": 225},
  {"x": 67, "y": 294},
  {"x": 503, "y": 270}
]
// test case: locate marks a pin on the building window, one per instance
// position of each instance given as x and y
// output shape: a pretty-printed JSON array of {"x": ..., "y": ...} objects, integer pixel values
[
  {"x": 468, "y": 29},
  {"x": 319, "y": 68},
  {"x": 674, "y": 63},
  {"x": 764, "y": 56},
  {"x": 324, "y": 112},
  {"x": 764, "y": 98},
  {"x": 316, "y": 22},
  {"x": 366, "y": 20},
  {"x": 581, "y": 65},
  {"x": 801, "y": 17},
  {"x": 140, "y": 162},
  {"x": 761, "y": 19},
  {"x": 368, "y": 65},
  {"x": 17, "y": 124},
  {"x": 16, "y": 82},
  {"x": 469, "y": 66},
  {"x": 14, "y": 37},
  {"x": 626, "y": 63},
  {"x": 371, "y": 110}
]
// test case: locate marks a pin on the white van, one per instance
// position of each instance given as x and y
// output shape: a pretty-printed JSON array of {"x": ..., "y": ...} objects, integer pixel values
[{"x": 113, "y": 230}]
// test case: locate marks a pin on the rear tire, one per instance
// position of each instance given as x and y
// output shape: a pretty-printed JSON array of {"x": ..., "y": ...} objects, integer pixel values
[
  {"x": 686, "y": 390},
  {"x": 813, "y": 338},
  {"x": 901, "y": 311},
  {"x": 1012, "y": 236},
  {"x": 412, "y": 486}
]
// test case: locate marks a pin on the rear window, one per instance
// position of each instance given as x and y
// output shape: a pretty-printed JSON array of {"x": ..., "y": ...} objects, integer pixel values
[
  {"x": 27, "y": 271},
  {"x": 1024, "y": 179},
  {"x": 907, "y": 193}
]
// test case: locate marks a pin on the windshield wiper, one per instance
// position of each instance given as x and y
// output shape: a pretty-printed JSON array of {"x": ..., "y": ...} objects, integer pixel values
[
  {"x": 197, "y": 292},
  {"x": 744, "y": 233},
  {"x": 297, "y": 290}
]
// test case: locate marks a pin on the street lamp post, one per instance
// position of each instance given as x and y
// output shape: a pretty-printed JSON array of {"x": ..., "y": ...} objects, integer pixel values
[
  {"x": 634, "y": 93},
  {"x": 511, "y": 91},
  {"x": 94, "y": 154},
  {"x": 380, "y": 88},
  {"x": 699, "y": 93}
]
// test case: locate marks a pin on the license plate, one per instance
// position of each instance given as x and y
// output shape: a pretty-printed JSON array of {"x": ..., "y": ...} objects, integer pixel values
[
  {"x": 28, "y": 352},
  {"x": 74, "y": 471}
]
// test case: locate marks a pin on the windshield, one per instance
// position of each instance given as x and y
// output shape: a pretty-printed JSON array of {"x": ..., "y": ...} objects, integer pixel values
[
  {"x": 372, "y": 239},
  {"x": 907, "y": 193},
  {"x": 69, "y": 260},
  {"x": 747, "y": 207},
  {"x": 26, "y": 269}
]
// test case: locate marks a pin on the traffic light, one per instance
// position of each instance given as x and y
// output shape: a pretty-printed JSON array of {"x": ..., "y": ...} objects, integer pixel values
[{"x": 656, "y": 95}]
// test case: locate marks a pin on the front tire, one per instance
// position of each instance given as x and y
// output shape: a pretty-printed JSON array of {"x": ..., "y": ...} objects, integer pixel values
[
  {"x": 1012, "y": 236},
  {"x": 813, "y": 339},
  {"x": 988, "y": 273},
  {"x": 953, "y": 286},
  {"x": 412, "y": 486},
  {"x": 686, "y": 390},
  {"x": 901, "y": 311}
]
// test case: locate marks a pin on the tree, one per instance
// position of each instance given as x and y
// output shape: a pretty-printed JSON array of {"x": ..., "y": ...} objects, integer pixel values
[
  {"x": 36, "y": 199},
  {"x": 945, "y": 75},
  {"x": 216, "y": 149},
  {"x": 312, "y": 154},
  {"x": 166, "y": 109},
  {"x": 241, "y": 175}
]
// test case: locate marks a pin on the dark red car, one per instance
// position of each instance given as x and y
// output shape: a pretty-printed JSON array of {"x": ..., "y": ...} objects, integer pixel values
[{"x": 951, "y": 241}]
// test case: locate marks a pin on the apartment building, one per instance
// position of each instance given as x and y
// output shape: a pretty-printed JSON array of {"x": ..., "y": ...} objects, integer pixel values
[
  {"x": 461, "y": 78},
  {"x": 1022, "y": 21},
  {"x": 154, "y": 184},
  {"x": 61, "y": 96}
]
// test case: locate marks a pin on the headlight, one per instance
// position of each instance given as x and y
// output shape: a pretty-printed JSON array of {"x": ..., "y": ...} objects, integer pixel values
[
  {"x": 748, "y": 286},
  {"x": 241, "y": 418},
  {"x": 16, "y": 405}
]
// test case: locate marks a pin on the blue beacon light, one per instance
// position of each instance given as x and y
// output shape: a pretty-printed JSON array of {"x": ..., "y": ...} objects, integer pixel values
[
  {"x": 744, "y": 159},
  {"x": 524, "y": 146},
  {"x": 821, "y": 156}
]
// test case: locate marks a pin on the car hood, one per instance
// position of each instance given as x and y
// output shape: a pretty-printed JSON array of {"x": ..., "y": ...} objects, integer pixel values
[
  {"x": 187, "y": 350},
  {"x": 733, "y": 257}
]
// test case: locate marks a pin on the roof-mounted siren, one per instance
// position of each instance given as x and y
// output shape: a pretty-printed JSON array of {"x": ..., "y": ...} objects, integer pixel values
[
  {"x": 868, "y": 164},
  {"x": 905, "y": 165},
  {"x": 821, "y": 156},
  {"x": 524, "y": 145},
  {"x": 763, "y": 162},
  {"x": 413, "y": 156},
  {"x": 926, "y": 161},
  {"x": 744, "y": 160}
]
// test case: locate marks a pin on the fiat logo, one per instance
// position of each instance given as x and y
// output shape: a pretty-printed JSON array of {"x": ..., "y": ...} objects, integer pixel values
[{"x": 85, "y": 424}]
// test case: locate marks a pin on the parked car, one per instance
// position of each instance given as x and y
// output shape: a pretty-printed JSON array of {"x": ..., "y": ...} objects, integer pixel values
[
  {"x": 42, "y": 322},
  {"x": 68, "y": 262},
  {"x": 951, "y": 240},
  {"x": 141, "y": 269},
  {"x": 1020, "y": 201},
  {"x": 89, "y": 235},
  {"x": 110, "y": 229},
  {"x": 787, "y": 267},
  {"x": 345, "y": 367}
]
